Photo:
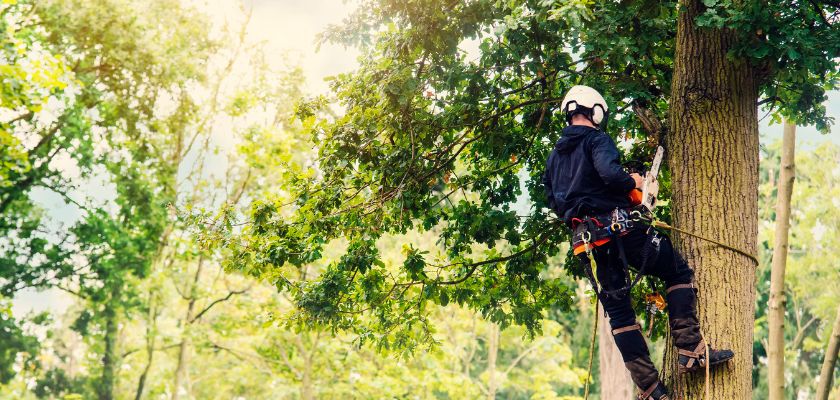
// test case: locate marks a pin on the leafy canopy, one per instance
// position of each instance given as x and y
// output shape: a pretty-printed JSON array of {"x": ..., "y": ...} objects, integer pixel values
[{"x": 445, "y": 127}]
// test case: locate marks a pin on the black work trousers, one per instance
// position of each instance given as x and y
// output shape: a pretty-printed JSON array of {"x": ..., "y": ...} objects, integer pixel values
[{"x": 667, "y": 266}]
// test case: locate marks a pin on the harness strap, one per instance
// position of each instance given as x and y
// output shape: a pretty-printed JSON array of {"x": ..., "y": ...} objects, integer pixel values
[
  {"x": 698, "y": 355},
  {"x": 680, "y": 286},
  {"x": 622, "y": 255},
  {"x": 629, "y": 328},
  {"x": 591, "y": 232},
  {"x": 651, "y": 246},
  {"x": 646, "y": 394}
]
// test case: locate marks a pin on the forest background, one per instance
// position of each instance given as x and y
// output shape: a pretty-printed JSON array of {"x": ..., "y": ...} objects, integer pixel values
[{"x": 128, "y": 125}]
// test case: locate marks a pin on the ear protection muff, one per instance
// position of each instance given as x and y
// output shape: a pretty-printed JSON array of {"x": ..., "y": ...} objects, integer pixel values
[{"x": 598, "y": 114}]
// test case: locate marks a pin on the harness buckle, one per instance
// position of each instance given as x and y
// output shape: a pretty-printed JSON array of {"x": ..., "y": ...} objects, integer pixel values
[
  {"x": 586, "y": 236},
  {"x": 656, "y": 239}
]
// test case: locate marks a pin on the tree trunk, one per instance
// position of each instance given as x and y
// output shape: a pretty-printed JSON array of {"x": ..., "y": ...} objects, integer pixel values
[
  {"x": 109, "y": 358},
  {"x": 306, "y": 390},
  {"x": 492, "y": 353},
  {"x": 151, "y": 339},
  {"x": 713, "y": 155},
  {"x": 776, "y": 313},
  {"x": 182, "y": 371},
  {"x": 827, "y": 373},
  {"x": 615, "y": 379},
  {"x": 308, "y": 352},
  {"x": 182, "y": 378}
]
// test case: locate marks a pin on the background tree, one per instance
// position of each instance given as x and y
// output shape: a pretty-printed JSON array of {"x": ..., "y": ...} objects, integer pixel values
[
  {"x": 776, "y": 314},
  {"x": 110, "y": 129},
  {"x": 829, "y": 361},
  {"x": 809, "y": 312}
]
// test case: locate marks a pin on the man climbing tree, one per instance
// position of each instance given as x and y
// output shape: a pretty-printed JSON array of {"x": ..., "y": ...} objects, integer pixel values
[
  {"x": 445, "y": 127},
  {"x": 588, "y": 188}
]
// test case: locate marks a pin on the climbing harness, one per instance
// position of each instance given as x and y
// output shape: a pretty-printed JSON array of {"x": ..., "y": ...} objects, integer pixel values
[{"x": 592, "y": 232}]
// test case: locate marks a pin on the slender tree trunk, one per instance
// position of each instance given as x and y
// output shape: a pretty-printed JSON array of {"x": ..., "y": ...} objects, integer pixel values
[
  {"x": 713, "y": 155},
  {"x": 306, "y": 385},
  {"x": 106, "y": 386},
  {"x": 151, "y": 339},
  {"x": 109, "y": 359},
  {"x": 308, "y": 351},
  {"x": 615, "y": 379},
  {"x": 492, "y": 354},
  {"x": 306, "y": 390},
  {"x": 182, "y": 371},
  {"x": 182, "y": 378},
  {"x": 776, "y": 314},
  {"x": 830, "y": 360},
  {"x": 141, "y": 383}
]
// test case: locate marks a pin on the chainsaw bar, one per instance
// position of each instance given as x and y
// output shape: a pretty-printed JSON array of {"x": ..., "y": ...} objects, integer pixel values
[{"x": 650, "y": 188}]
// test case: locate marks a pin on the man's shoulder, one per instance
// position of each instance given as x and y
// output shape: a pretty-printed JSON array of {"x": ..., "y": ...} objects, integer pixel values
[{"x": 600, "y": 138}]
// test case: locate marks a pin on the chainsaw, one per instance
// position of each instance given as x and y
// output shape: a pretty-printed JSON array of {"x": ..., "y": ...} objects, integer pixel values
[{"x": 650, "y": 187}]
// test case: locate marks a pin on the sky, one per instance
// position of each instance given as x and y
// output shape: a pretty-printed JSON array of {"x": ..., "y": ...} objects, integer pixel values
[{"x": 289, "y": 29}]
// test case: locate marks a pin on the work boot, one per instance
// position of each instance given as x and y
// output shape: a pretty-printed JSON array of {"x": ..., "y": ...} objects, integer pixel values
[
  {"x": 657, "y": 391},
  {"x": 685, "y": 329},
  {"x": 694, "y": 360}
]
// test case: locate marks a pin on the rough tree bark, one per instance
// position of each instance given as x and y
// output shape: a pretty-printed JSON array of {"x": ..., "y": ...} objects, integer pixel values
[
  {"x": 830, "y": 361},
  {"x": 713, "y": 154},
  {"x": 615, "y": 379},
  {"x": 776, "y": 313}
]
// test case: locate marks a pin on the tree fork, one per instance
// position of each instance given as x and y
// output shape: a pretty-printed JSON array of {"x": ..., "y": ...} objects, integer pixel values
[{"x": 713, "y": 154}]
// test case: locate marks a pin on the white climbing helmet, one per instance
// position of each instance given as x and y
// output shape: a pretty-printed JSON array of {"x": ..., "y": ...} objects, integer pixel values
[{"x": 587, "y": 101}]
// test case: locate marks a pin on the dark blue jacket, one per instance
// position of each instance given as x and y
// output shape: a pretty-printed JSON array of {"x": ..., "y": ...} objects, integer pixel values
[{"x": 583, "y": 175}]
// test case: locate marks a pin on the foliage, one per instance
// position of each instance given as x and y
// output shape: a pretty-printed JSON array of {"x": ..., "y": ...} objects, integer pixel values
[
  {"x": 445, "y": 127},
  {"x": 19, "y": 347},
  {"x": 810, "y": 307},
  {"x": 796, "y": 44},
  {"x": 395, "y": 228}
]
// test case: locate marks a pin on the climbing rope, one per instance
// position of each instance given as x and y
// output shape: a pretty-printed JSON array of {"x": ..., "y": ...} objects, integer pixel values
[
  {"x": 660, "y": 224},
  {"x": 706, "y": 383},
  {"x": 591, "y": 353}
]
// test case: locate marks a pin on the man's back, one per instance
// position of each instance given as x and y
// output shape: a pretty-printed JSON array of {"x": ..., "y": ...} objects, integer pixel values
[{"x": 583, "y": 174}]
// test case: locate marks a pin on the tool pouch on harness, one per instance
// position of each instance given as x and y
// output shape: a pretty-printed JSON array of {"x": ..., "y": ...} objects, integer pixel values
[{"x": 591, "y": 232}]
